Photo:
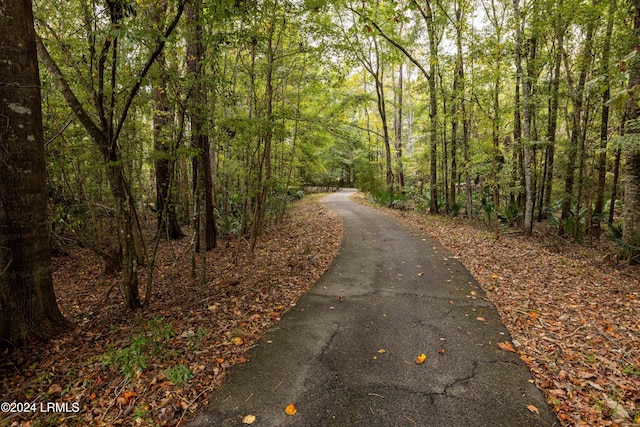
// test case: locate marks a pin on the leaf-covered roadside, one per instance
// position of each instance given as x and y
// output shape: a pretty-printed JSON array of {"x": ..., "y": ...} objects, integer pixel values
[
  {"x": 157, "y": 366},
  {"x": 573, "y": 316}
]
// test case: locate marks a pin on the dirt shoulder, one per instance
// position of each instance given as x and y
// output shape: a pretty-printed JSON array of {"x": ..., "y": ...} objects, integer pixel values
[{"x": 574, "y": 317}]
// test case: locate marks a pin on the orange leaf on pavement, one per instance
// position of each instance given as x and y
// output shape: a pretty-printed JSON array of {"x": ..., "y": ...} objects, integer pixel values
[
  {"x": 290, "y": 409},
  {"x": 420, "y": 359},
  {"x": 507, "y": 346}
]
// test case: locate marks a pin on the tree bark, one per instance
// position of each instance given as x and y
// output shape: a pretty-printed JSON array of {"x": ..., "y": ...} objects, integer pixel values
[
  {"x": 398, "y": 127},
  {"x": 604, "y": 126},
  {"x": 164, "y": 145},
  {"x": 631, "y": 213},
  {"x": 577, "y": 99},
  {"x": 526, "y": 107},
  {"x": 165, "y": 161},
  {"x": 552, "y": 124},
  {"x": 199, "y": 134},
  {"x": 28, "y": 307}
]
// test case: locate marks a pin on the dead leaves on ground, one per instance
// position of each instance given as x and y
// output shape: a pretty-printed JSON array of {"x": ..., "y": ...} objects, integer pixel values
[
  {"x": 576, "y": 319},
  {"x": 179, "y": 348}
]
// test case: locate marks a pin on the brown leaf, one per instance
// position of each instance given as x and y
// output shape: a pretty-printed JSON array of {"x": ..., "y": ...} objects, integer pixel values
[
  {"x": 54, "y": 388},
  {"x": 507, "y": 346},
  {"x": 249, "y": 419},
  {"x": 533, "y": 409}
]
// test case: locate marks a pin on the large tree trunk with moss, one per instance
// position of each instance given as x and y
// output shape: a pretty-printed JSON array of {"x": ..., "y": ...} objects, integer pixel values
[{"x": 28, "y": 307}]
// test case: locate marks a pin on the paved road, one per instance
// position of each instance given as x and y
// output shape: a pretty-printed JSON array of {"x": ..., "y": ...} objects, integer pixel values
[{"x": 350, "y": 362}]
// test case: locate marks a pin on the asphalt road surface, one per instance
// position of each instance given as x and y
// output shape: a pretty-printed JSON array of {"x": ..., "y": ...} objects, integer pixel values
[{"x": 345, "y": 354}]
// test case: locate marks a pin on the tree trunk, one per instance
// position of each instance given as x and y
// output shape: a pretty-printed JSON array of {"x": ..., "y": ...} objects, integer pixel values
[
  {"x": 526, "y": 107},
  {"x": 461, "y": 93},
  {"x": 28, "y": 307},
  {"x": 382, "y": 110},
  {"x": 398, "y": 128},
  {"x": 552, "y": 123},
  {"x": 631, "y": 213},
  {"x": 614, "y": 186},
  {"x": 199, "y": 134},
  {"x": 433, "y": 107},
  {"x": 577, "y": 99},
  {"x": 165, "y": 158},
  {"x": 604, "y": 126},
  {"x": 265, "y": 184}
]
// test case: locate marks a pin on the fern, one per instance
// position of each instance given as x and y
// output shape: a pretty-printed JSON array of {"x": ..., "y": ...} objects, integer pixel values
[{"x": 630, "y": 253}]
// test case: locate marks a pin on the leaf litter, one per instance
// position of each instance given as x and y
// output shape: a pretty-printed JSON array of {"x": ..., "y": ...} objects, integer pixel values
[{"x": 158, "y": 365}]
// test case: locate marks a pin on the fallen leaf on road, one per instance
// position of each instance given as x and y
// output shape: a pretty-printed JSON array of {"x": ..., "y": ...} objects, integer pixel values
[
  {"x": 249, "y": 419},
  {"x": 533, "y": 409},
  {"x": 237, "y": 341},
  {"x": 420, "y": 359},
  {"x": 481, "y": 319},
  {"x": 290, "y": 409},
  {"x": 382, "y": 350},
  {"x": 506, "y": 346}
]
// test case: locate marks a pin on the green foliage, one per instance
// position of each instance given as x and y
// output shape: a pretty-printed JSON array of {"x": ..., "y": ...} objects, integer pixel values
[
  {"x": 132, "y": 360},
  {"x": 394, "y": 200},
  {"x": 628, "y": 252},
  {"x": 512, "y": 215},
  {"x": 141, "y": 412},
  {"x": 632, "y": 370},
  {"x": 179, "y": 374},
  {"x": 488, "y": 210}
]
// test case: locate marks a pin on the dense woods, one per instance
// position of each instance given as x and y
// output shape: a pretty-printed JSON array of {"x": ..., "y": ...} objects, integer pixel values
[
  {"x": 151, "y": 134},
  {"x": 210, "y": 116}
]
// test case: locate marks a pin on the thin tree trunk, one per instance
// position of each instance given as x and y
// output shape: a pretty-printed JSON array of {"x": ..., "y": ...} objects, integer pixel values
[
  {"x": 398, "y": 127},
  {"x": 265, "y": 163},
  {"x": 165, "y": 161},
  {"x": 604, "y": 126},
  {"x": 199, "y": 134},
  {"x": 552, "y": 123},
  {"x": 527, "y": 155},
  {"x": 577, "y": 98},
  {"x": 614, "y": 186}
]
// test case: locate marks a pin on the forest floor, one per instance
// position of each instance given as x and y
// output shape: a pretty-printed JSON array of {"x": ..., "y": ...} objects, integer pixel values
[
  {"x": 573, "y": 314},
  {"x": 574, "y": 318},
  {"x": 156, "y": 366}
]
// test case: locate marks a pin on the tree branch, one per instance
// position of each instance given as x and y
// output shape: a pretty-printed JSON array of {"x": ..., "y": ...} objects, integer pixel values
[
  {"x": 72, "y": 100},
  {"x": 396, "y": 45},
  {"x": 147, "y": 66}
]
